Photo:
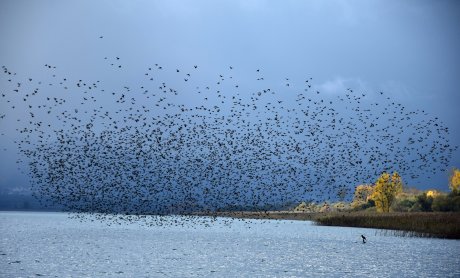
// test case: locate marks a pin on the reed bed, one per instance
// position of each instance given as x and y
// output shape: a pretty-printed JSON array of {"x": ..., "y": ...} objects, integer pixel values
[
  {"x": 405, "y": 224},
  {"x": 422, "y": 224}
]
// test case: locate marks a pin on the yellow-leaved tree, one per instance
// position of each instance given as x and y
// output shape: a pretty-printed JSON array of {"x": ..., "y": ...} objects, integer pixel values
[
  {"x": 362, "y": 195},
  {"x": 385, "y": 191},
  {"x": 454, "y": 181}
]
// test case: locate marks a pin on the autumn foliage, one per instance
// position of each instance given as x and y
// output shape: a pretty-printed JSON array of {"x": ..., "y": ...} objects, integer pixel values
[
  {"x": 385, "y": 191},
  {"x": 454, "y": 181},
  {"x": 362, "y": 195},
  {"x": 387, "y": 195}
]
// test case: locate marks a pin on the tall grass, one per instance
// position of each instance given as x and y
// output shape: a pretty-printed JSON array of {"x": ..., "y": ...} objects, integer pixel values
[
  {"x": 424, "y": 224},
  {"x": 420, "y": 224}
]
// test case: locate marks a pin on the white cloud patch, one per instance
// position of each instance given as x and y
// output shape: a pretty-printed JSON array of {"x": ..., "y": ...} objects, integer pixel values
[{"x": 339, "y": 85}]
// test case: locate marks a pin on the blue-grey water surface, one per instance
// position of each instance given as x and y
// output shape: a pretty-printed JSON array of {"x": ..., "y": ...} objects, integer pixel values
[{"x": 52, "y": 244}]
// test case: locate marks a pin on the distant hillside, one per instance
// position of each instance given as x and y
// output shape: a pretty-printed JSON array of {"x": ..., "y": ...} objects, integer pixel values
[{"x": 23, "y": 202}]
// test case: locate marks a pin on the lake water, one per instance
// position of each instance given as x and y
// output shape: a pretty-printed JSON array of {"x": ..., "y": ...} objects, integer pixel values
[{"x": 52, "y": 244}]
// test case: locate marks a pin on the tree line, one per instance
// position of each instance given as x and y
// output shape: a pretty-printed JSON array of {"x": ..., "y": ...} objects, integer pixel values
[{"x": 389, "y": 194}]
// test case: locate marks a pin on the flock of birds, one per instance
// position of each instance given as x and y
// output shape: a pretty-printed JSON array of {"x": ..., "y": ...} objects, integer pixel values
[{"x": 165, "y": 141}]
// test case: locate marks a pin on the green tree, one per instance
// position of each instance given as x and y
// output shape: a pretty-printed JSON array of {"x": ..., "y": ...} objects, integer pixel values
[
  {"x": 446, "y": 203},
  {"x": 441, "y": 203},
  {"x": 405, "y": 200},
  {"x": 385, "y": 191},
  {"x": 454, "y": 181},
  {"x": 424, "y": 202}
]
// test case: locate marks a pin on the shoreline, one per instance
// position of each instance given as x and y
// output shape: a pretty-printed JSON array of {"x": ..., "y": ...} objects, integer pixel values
[
  {"x": 420, "y": 224},
  {"x": 444, "y": 225}
]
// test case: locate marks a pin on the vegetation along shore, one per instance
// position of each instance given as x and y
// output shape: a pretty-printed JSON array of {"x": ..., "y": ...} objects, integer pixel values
[{"x": 385, "y": 205}]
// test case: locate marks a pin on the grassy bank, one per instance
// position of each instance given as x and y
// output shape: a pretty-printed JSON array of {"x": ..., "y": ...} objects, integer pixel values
[{"x": 425, "y": 224}]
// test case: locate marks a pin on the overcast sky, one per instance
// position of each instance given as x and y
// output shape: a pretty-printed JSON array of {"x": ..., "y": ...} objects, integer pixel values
[{"x": 408, "y": 49}]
